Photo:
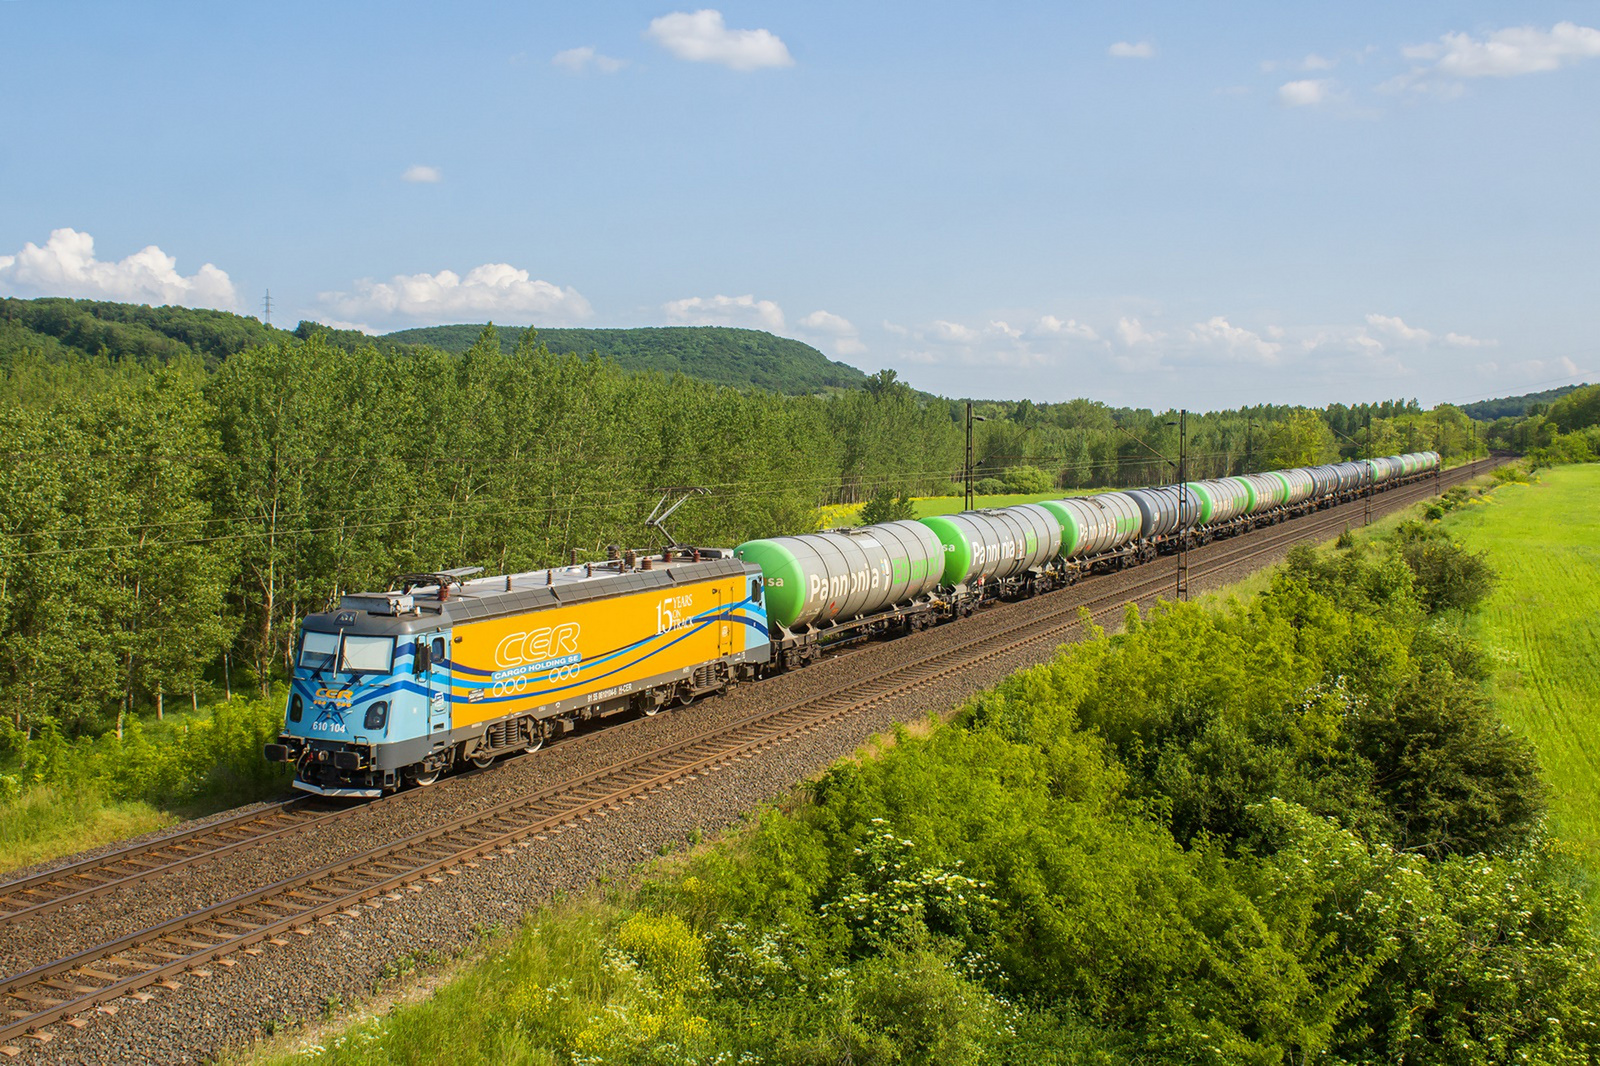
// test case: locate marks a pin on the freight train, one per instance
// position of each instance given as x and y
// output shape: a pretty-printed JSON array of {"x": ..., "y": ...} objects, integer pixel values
[{"x": 394, "y": 688}]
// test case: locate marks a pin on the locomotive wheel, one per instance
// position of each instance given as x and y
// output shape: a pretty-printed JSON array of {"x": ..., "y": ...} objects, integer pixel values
[
  {"x": 534, "y": 745},
  {"x": 481, "y": 761},
  {"x": 651, "y": 709},
  {"x": 424, "y": 778}
]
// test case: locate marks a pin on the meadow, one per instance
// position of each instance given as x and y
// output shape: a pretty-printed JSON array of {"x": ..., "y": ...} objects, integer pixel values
[
  {"x": 849, "y": 514},
  {"x": 1542, "y": 627}
]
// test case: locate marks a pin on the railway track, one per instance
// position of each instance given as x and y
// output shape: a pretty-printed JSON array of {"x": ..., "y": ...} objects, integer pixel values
[{"x": 156, "y": 955}]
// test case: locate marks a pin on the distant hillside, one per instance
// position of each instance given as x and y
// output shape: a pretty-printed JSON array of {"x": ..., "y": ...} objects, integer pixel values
[
  {"x": 1513, "y": 406},
  {"x": 63, "y": 329},
  {"x": 711, "y": 353}
]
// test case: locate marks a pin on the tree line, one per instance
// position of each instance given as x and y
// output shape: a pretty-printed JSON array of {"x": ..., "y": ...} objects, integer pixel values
[
  {"x": 1565, "y": 430},
  {"x": 167, "y": 520}
]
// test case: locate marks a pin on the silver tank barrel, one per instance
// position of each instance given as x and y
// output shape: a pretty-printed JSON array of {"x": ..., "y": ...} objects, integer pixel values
[{"x": 840, "y": 575}]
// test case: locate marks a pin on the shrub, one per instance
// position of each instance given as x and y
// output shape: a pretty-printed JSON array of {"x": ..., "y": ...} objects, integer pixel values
[
  {"x": 1448, "y": 577},
  {"x": 885, "y": 506},
  {"x": 1028, "y": 479}
]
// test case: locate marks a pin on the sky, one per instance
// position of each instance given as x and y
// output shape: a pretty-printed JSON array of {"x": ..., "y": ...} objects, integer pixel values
[{"x": 1149, "y": 204}]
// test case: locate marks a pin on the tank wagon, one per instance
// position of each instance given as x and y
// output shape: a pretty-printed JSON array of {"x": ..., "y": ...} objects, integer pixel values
[
  {"x": 848, "y": 583},
  {"x": 1006, "y": 544},
  {"x": 396, "y": 687},
  {"x": 1097, "y": 526}
]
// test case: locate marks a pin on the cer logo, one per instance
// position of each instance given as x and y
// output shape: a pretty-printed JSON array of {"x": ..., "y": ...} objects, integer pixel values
[{"x": 537, "y": 645}]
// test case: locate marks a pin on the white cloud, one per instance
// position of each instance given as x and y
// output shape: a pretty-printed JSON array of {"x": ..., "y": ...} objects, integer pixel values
[
  {"x": 745, "y": 311},
  {"x": 339, "y": 323},
  {"x": 1461, "y": 340},
  {"x": 1235, "y": 342},
  {"x": 1070, "y": 329},
  {"x": 66, "y": 266},
  {"x": 1128, "y": 50},
  {"x": 1305, "y": 93},
  {"x": 954, "y": 332},
  {"x": 1131, "y": 332},
  {"x": 487, "y": 290},
  {"x": 841, "y": 335},
  {"x": 1316, "y": 62},
  {"x": 1509, "y": 52},
  {"x": 422, "y": 175},
  {"x": 1044, "y": 341},
  {"x": 579, "y": 60},
  {"x": 1396, "y": 327},
  {"x": 1546, "y": 370},
  {"x": 702, "y": 37}
]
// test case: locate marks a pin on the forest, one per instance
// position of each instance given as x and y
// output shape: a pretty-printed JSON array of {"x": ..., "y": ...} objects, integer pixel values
[
  {"x": 718, "y": 354},
  {"x": 1565, "y": 430},
  {"x": 178, "y": 500}
]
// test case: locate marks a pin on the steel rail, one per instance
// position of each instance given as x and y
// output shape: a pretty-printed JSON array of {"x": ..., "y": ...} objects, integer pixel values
[{"x": 24, "y": 887}]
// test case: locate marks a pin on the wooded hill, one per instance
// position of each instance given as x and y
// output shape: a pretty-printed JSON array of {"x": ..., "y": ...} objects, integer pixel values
[
  {"x": 1514, "y": 406},
  {"x": 63, "y": 329},
  {"x": 717, "y": 354}
]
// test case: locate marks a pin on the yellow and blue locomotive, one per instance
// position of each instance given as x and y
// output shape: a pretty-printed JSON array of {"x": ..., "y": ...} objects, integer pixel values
[{"x": 394, "y": 688}]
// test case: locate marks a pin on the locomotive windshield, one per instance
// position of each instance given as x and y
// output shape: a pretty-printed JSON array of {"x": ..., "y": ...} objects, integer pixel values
[
  {"x": 319, "y": 650},
  {"x": 358, "y": 655},
  {"x": 367, "y": 654}
]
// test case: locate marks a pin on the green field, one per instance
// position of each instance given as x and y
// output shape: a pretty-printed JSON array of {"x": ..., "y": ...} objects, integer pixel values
[
  {"x": 849, "y": 514},
  {"x": 1543, "y": 626}
]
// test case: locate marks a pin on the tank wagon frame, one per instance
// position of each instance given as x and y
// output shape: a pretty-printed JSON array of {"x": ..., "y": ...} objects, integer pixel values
[{"x": 397, "y": 687}]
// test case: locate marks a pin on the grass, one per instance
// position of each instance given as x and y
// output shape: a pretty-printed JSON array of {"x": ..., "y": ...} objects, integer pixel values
[
  {"x": 1542, "y": 625},
  {"x": 48, "y": 821},
  {"x": 67, "y": 796}
]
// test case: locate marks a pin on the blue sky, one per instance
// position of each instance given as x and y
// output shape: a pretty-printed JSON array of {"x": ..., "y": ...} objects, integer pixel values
[{"x": 1148, "y": 204}]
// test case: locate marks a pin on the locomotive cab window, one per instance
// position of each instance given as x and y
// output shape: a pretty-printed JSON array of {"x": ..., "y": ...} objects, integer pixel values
[
  {"x": 319, "y": 650},
  {"x": 755, "y": 591},
  {"x": 438, "y": 651},
  {"x": 367, "y": 654}
]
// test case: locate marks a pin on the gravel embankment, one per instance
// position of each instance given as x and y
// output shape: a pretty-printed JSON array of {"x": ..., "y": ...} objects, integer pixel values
[{"x": 342, "y": 960}]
